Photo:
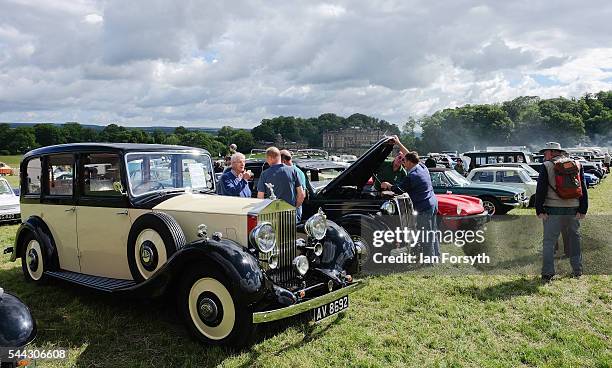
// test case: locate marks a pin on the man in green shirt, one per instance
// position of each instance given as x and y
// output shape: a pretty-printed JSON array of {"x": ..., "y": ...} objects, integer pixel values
[{"x": 392, "y": 172}]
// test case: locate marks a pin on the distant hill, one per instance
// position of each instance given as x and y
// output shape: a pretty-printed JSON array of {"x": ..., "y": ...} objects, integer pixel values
[{"x": 146, "y": 129}]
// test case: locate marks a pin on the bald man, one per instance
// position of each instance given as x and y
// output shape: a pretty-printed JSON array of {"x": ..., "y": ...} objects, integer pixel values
[{"x": 285, "y": 179}]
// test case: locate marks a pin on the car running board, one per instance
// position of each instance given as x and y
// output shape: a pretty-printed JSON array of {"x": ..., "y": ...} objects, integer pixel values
[{"x": 95, "y": 282}]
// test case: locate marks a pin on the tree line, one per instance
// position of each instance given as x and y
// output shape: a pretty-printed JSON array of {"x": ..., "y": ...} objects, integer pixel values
[
  {"x": 526, "y": 120},
  {"x": 21, "y": 139}
]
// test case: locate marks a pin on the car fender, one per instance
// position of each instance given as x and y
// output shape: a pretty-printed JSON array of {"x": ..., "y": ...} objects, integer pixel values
[
  {"x": 339, "y": 251},
  {"x": 37, "y": 226},
  {"x": 343, "y": 254},
  {"x": 234, "y": 261}
]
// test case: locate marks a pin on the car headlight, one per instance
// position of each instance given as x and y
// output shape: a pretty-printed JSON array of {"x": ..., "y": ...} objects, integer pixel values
[
  {"x": 459, "y": 210},
  {"x": 316, "y": 226},
  {"x": 263, "y": 237},
  {"x": 388, "y": 207},
  {"x": 301, "y": 265}
]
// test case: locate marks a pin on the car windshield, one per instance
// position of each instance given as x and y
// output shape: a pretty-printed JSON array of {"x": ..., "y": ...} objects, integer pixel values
[
  {"x": 5, "y": 188},
  {"x": 456, "y": 178},
  {"x": 529, "y": 170},
  {"x": 169, "y": 171},
  {"x": 525, "y": 176}
]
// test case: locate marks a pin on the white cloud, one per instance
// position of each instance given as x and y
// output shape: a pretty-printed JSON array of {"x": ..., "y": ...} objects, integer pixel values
[
  {"x": 159, "y": 62},
  {"x": 93, "y": 19}
]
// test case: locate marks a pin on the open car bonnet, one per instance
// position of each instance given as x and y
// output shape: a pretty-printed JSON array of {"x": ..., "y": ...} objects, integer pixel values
[{"x": 358, "y": 173}]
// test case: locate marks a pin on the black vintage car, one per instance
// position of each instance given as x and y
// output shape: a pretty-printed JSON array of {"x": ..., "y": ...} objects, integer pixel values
[{"x": 349, "y": 201}]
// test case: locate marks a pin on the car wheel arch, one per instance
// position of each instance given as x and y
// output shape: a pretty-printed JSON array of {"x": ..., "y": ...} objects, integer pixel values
[{"x": 38, "y": 228}]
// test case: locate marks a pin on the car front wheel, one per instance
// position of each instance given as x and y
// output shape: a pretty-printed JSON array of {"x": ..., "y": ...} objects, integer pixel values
[
  {"x": 491, "y": 205},
  {"x": 212, "y": 311}
]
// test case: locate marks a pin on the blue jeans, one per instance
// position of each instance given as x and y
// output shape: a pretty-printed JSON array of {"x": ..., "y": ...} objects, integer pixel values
[
  {"x": 561, "y": 219},
  {"x": 427, "y": 221}
]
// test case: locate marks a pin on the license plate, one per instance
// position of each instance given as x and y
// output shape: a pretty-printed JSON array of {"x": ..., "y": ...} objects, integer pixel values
[{"x": 330, "y": 309}]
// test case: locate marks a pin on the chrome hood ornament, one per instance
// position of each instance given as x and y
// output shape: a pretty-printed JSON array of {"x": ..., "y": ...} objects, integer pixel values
[{"x": 271, "y": 187}]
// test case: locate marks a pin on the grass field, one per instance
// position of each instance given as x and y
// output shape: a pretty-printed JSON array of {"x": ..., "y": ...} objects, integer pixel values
[{"x": 397, "y": 320}]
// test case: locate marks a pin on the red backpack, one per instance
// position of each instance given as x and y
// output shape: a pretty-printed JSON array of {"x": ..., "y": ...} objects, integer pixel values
[{"x": 568, "y": 183}]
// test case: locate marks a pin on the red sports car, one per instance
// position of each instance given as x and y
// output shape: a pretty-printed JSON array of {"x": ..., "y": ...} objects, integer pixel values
[{"x": 461, "y": 212}]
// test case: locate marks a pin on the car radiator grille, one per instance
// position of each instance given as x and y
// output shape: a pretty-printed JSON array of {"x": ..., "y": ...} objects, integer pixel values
[
  {"x": 284, "y": 224},
  {"x": 405, "y": 209}
]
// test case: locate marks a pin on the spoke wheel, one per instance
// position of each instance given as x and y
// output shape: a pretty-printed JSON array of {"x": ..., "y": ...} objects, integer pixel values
[{"x": 489, "y": 206}]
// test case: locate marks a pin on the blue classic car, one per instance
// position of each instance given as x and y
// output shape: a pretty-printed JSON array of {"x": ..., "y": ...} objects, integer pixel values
[{"x": 496, "y": 199}]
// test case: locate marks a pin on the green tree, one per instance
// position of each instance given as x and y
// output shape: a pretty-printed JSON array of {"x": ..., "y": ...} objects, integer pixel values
[
  {"x": 48, "y": 134},
  {"x": 243, "y": 139},
  {"x": 22, "y": 139}
]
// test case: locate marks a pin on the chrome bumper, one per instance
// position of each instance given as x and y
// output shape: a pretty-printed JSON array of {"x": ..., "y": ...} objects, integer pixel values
[
  {"x": 292, "y": 310},
  {"x": 484, "y": 214}
]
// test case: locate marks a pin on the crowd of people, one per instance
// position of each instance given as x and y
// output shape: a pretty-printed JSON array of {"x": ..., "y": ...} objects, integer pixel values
[
  {"x": 281, "y": 179},
  {"x": 561, "y": 195}
]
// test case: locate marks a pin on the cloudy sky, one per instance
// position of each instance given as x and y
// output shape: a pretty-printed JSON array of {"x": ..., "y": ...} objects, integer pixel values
[{"x": 212, "y": 63}]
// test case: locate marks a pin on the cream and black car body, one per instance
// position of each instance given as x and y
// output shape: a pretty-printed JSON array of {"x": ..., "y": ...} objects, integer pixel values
[{"x": 145, "y": 220}]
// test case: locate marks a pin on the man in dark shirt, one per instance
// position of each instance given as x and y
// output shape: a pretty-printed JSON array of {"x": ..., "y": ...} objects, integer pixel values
[
  {"x": 417, "y": 184},
  {"x": 392, "y": 172},
  {"x": 234, "y": 182},
  {"x": 285, "y": 180}
]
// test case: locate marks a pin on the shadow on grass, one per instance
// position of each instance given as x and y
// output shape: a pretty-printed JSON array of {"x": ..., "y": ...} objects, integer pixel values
[
  {"x": 505, "y": 290},
  {"x": 105, "y": 330}
]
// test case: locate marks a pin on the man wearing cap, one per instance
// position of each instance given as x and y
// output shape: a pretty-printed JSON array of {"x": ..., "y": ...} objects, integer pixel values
[
  {"x": 392, "y": 172},
  {"x": 558, "y": 214}
]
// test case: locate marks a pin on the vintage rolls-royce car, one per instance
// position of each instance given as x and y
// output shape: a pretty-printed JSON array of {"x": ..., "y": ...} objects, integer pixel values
[{"x": 144, "y": 220}]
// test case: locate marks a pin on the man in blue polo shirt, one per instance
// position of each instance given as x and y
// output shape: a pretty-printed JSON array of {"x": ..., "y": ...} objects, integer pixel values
[
  {"x": 234, "y": 182},
  {"x": 285, "y": 180},
  {"x": 417, "y": 184}
]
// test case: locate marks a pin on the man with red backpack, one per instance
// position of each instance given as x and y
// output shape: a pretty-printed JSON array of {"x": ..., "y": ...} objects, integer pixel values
[{"x": 561, "y": 201}]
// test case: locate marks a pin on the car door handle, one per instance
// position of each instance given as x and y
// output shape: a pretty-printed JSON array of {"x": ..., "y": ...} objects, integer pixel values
[
  {"x": 124, "y": 212},
  {"x": 71, "y": 209}
]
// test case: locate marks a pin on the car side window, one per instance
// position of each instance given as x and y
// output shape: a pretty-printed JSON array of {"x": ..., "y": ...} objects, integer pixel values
[
  {"x": 508, "y": 177},
  {"x": 100, "y": 172},
  {"x": 33, "y": 173},
  {"x": 439, "y": 180},
  {"x": 61, "y": 174},
  {"x": 484, "y": 176}
]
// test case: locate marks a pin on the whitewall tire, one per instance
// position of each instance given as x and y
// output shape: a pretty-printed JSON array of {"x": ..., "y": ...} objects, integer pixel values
[
  {"x": 153, "y": 239},
  {"x": 33, "y": 259},
  {"x": 211, "y": 310}
]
